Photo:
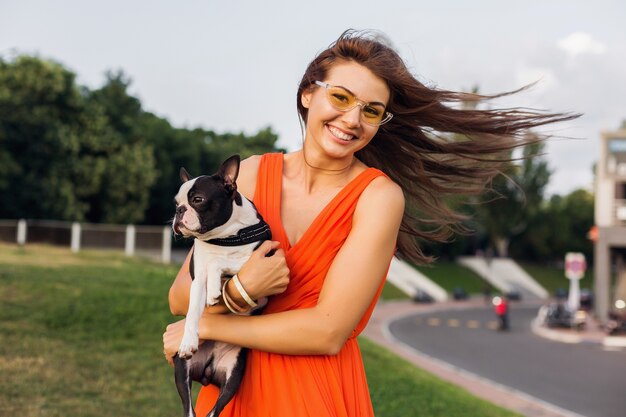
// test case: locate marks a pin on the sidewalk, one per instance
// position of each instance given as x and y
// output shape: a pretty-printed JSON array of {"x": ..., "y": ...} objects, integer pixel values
[
  {"x": 593, "y": 333},
  {"x": 377, "y": 331}
]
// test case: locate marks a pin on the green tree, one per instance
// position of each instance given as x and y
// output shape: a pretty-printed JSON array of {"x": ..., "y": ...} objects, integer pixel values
[
  {"x": 560, "y": 226},
  {"x": 516, "y": 198},
  {"x": 122, "y": 110},
  {"x": 44, "y": 120},
  {"x": 199, "y": 151},
  {"x": 70, "y": 153},
  {"x": 126, "y": 163}
]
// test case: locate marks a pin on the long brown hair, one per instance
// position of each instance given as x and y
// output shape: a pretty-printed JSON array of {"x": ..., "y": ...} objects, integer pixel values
[{"x": 412, "y": 148}]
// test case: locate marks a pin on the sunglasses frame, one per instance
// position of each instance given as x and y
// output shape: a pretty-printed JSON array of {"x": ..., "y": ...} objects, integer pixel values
[{"x": 386, "y": 115}]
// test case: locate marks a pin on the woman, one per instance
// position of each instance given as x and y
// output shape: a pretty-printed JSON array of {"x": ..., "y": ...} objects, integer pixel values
[{"x": 368, "y": 180}]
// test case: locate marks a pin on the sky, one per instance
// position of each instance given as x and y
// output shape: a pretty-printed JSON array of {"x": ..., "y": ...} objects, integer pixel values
[{"x": 234, "y": 66}]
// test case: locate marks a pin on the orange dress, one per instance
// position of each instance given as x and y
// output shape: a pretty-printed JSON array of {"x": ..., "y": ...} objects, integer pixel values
[{"x": 277, "y": 385}]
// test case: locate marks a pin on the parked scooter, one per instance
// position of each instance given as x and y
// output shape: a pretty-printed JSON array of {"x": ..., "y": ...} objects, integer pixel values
[{"x": 557, "y": 315}]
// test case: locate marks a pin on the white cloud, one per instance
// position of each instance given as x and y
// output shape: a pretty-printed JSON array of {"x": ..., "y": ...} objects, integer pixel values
[{"x": 579, "y": 43}]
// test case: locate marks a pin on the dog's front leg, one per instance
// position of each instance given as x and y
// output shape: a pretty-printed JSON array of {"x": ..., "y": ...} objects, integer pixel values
[
  {"x": 197, "y": 299},
  {"x": 227, "y": 267},
  {"x": 213, "y": 284}
]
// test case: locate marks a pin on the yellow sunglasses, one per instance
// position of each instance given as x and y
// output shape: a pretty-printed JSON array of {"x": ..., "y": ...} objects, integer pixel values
[{"x": 343, "y": 100}]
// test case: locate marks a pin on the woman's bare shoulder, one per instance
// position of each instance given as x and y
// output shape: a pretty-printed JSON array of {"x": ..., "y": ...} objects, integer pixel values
[
  {"x": 246, "y": 180},
  {"x": 382, "y": 195}
]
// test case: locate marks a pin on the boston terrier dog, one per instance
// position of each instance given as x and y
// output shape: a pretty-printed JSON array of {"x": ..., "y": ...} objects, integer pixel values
[{"x": 226, "y": 228}]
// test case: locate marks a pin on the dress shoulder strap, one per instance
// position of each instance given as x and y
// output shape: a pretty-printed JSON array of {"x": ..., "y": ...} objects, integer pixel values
[{"x": 268, "y": 190}]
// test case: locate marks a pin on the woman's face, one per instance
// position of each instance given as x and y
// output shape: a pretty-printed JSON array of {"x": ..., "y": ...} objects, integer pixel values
[{"x": 339, "y": 134}]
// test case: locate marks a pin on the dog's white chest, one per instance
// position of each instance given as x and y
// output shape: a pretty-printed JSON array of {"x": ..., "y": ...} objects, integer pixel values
[{"x": 219, "y": 260}]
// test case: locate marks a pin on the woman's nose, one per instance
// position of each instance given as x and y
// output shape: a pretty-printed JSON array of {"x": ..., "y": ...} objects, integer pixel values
[{"x": 353, "y": 117}]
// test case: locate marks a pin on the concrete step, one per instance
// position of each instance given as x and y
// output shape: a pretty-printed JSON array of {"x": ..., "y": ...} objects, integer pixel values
[
  {"x": 505, "y": 275},
  {"x": 408, "y": 279}
]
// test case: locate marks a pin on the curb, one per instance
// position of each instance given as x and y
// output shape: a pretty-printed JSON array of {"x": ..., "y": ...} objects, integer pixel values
[
  {"x": 614, "y": 341},
  {"x": 541, "y": 331},
  {"x": 559, "y": 336}
]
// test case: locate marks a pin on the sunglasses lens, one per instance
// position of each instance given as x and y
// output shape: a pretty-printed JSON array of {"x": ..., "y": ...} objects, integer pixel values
[
  {"x": 373, "y": 114},
  {"x": 343, "y": 100}
]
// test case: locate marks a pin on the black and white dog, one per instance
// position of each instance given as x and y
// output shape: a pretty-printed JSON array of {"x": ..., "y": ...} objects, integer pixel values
[{"x": 226, "y": 228}]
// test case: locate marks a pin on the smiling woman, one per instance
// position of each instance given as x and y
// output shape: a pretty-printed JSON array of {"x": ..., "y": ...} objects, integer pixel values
[{"x": 337, "y": 212}]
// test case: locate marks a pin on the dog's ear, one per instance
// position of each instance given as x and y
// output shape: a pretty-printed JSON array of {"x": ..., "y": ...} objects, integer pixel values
[
  {"x": 229, "y": 171},
  {"x": 184, "y": 175}
]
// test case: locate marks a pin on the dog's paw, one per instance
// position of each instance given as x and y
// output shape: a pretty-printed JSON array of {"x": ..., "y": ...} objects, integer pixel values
[
  {"x": 211, "y": 301},
  {"x": 187, "y": 348},
  {"x": 186, "y": 351},
  {"x": 213, "y": 297}
]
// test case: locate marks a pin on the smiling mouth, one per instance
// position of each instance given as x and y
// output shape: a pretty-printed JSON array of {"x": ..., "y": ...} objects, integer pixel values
[{"x": 340, "y": 135}]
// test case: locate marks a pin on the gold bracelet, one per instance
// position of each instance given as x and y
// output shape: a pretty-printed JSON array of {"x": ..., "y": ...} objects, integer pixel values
[
  {"x": 243, "y": 292},
  {"x": 230, "y": 303}
]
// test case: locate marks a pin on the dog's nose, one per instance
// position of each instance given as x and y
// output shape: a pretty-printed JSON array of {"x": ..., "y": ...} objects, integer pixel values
[{"x": 180, "y": 210}]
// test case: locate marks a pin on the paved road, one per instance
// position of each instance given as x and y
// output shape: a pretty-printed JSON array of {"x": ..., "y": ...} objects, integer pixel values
[{"x": 583, "y": 378}]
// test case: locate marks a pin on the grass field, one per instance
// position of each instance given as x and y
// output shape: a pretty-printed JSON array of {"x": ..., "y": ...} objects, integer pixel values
[
  {"x": 552, "y": 277},
  {"x": 81, "y": 336},
  {"x": 448, "y": 275}
]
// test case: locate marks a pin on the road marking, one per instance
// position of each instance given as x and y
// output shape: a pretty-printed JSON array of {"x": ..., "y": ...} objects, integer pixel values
[
  {"x": 493, "y": 325},
  {"x": 473, "y": 324},
  {"x": 433, "y": 321}
]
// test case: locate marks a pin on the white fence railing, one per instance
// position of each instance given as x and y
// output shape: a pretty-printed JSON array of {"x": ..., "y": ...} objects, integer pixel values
[{"x": 132, "y": 239}]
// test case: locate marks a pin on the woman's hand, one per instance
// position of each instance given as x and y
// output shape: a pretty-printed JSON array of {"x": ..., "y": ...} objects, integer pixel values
[
  {"x": 262, "y": 276},
  {"x": 171, "y": 339}
]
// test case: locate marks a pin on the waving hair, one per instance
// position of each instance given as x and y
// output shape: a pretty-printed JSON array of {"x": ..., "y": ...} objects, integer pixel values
[{"x": 413, "y": 148}]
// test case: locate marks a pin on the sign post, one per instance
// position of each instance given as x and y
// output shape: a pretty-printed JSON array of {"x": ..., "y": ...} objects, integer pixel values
[{"x": 575, "y": 267}]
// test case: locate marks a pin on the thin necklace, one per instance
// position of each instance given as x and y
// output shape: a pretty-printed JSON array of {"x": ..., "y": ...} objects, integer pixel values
[{"x": 336, "y": 171}]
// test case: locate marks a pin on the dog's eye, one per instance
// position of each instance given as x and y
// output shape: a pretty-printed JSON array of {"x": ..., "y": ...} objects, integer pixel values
[{"x": 197, "y": 200}]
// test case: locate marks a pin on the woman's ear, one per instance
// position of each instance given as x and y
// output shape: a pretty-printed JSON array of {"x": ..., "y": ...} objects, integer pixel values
[{"x": 305, "y": 98}]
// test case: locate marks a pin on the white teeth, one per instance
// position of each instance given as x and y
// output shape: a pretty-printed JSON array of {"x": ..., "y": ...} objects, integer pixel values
[{"x": 339, "y": 134}]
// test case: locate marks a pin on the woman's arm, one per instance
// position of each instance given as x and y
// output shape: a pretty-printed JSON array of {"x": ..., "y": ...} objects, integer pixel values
[
  {"x": 348, "y": 290},
  {"x": 178, "y": 296}
]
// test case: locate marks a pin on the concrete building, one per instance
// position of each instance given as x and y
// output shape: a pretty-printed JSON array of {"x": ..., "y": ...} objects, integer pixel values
[{"x": 610, "y": 220}]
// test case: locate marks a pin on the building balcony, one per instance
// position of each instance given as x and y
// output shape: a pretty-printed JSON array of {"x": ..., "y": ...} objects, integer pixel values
[{"x": 619, "y": 212}]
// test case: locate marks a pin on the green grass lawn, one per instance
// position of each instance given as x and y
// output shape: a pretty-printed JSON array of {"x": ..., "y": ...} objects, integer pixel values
[
  {"x": 450, "y": 275},
  {"x": 552, "y": 277},
  {"x": 81, "y": 336},
  {"x": 391, "y": 292}
]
